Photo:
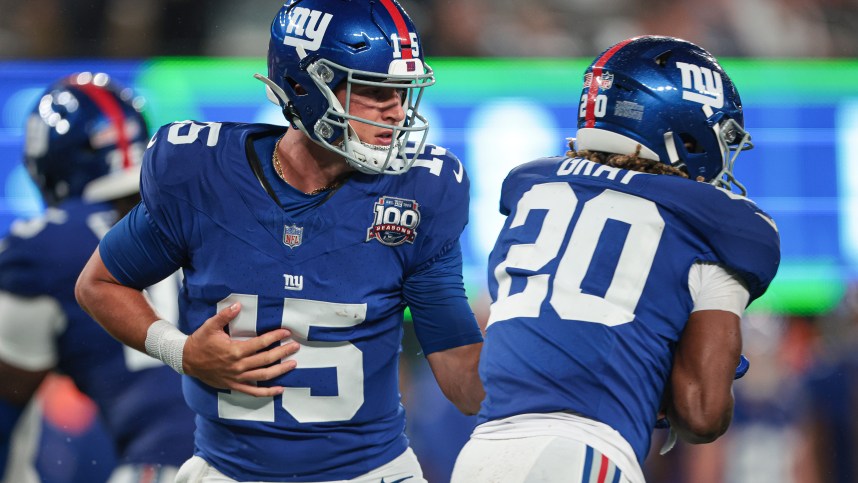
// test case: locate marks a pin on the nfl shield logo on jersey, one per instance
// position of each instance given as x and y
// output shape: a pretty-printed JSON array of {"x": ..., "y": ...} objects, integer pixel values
[
  {"x": 395, "y": 221},
  {"x": 292, "y": 235}
]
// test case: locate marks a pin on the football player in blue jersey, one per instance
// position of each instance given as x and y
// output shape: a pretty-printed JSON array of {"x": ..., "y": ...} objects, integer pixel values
[
  {"x": 85, "y": 139},
  {"x": 620, "y": 276},
  {"x": 301, "y": 246}
]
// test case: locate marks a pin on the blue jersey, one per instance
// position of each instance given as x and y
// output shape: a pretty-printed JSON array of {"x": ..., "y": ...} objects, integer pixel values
[
  {"x": 142, "y": 408},
  {"x": 333, "y": 268},
  {"x": 589, "y": 282}
]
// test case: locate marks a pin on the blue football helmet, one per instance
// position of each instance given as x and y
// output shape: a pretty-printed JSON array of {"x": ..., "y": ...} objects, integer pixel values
[
  {"x": 85, "y": 138},
  {"x": 673, "y": 99},
  {"x": 318, "y": 45}
]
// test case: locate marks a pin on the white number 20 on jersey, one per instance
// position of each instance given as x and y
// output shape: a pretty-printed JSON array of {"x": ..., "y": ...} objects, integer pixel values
[{"x": 617, "y": 306}]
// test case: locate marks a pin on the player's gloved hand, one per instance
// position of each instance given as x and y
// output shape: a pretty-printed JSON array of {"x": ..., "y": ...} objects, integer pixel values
[
  {"x": 742, "y": 368},
  {"x": 662, "y": 423}
]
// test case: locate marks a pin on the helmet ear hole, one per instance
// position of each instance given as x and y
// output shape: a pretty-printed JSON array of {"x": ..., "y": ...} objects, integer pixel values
[
  {"x": 691, "y": 144},
  {"x": 358, "y": 46},
  {"x": 297, "y": 88},
  {"x": 623, "y": 87}
]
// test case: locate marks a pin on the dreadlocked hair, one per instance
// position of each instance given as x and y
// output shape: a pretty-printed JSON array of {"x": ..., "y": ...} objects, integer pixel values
[{"x": 631, "y": 162}]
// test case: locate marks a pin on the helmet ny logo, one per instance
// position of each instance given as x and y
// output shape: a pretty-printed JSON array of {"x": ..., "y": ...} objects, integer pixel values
[
  {"x": 701, "y": 85},
  {"x": 306, "y": 28}
]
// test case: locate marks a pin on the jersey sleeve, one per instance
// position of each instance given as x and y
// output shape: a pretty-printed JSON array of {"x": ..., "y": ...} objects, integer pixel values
[
  {"x": 136, "y": 253},
  {"x": 714, "y": 288},
  {"x": 742, "y": 237},
  {"x": 151, "y": 242},
  {"x": 442, "y": 189},
  {"x": 442, "y": 316},
  {"x": 434, "y": 289},
  {"x": 166, "y": 182}
]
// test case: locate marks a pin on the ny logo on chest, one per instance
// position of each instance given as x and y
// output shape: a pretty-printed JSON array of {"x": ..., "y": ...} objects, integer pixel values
[{"x": 293, "y": 282}]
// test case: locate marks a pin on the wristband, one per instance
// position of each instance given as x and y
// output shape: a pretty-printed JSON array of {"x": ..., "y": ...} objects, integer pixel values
[{"x": 166, "y": 343}]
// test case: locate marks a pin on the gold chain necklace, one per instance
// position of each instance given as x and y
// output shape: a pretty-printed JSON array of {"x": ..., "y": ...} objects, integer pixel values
[{"x": 278, "y": 168}]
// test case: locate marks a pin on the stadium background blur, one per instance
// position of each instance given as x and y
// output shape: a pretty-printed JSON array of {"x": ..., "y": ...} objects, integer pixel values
[{"x": 509, "y": 74}]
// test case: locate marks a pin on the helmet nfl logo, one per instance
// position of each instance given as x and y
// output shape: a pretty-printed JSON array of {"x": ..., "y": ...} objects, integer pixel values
[
  {"x": 604, "y": 81},
  {"x": 292, "y": 235}
]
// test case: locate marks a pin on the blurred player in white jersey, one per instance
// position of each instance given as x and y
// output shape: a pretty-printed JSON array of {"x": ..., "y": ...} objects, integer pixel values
[
  {"x": 301, "y": 246},
  {"x": 620, "y": 276},
  {"x": 84, "y": 143}
]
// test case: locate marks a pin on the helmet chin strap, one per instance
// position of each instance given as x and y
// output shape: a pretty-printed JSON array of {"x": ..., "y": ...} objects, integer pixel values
[{"x": 370, "y": 158}]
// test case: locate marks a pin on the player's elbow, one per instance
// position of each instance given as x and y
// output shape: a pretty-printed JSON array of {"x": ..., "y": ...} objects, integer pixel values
[
  {"x": 94, "y": 279},
  {"x": 703, "y": 431},
  {"x": 704, "y": 422},
  {"x": 86, "y": 289},
  {"x": 83, "y": 289},
  {"x": 469, "y": 410}
]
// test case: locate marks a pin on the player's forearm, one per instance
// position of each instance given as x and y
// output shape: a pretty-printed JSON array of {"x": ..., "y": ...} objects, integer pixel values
[
  {"x": 698, "y": 418},
  {"x": 467, "y": 395},
  {"x": 123, "y": 311},
  {"x": 456, "y": 372},
  {"x": 700, "y": 405}
]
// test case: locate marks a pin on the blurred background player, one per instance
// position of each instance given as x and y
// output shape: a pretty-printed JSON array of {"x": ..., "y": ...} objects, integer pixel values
[
  {"x": 321, "y": 232},
  {"x": 84, "y": 142},
  {"x": 20, "y": 434},
  {"x": 620, "y": 276}
]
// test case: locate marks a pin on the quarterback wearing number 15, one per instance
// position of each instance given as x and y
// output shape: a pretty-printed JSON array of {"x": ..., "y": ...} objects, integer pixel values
[{"x": 302, "y": 245}]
